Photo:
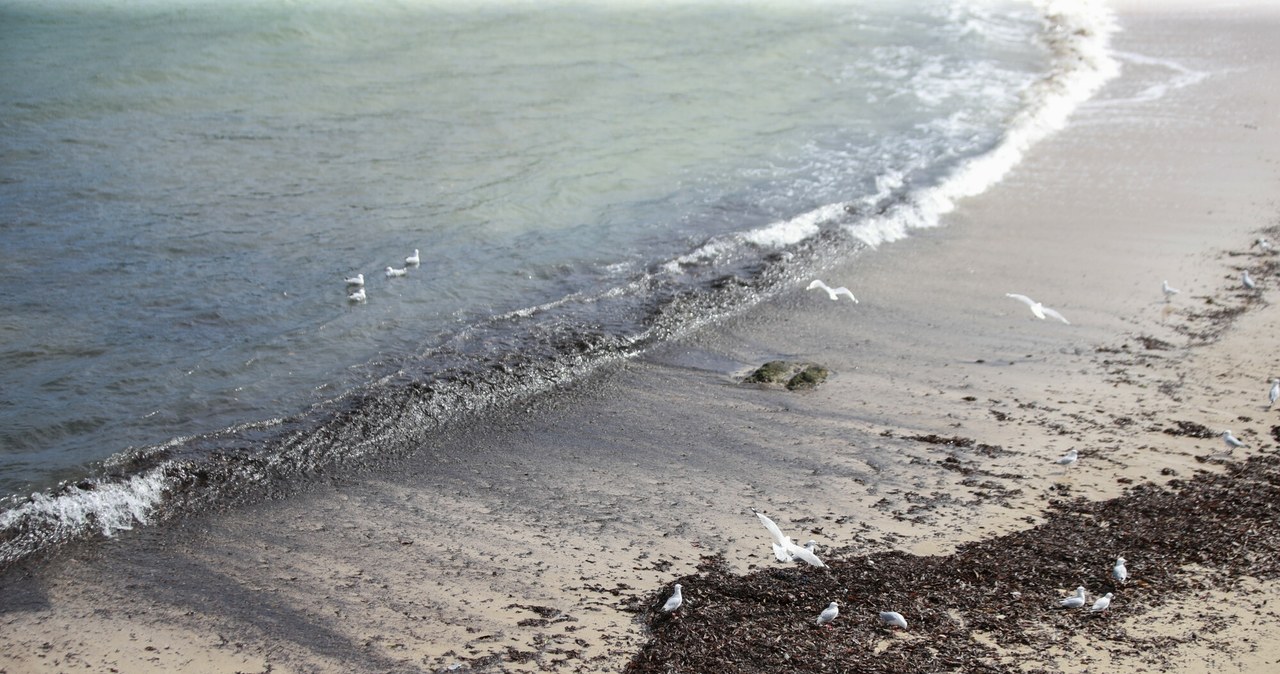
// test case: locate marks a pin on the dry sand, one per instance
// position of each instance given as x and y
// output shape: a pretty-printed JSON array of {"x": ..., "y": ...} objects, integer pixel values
[{"x": 528, "y": 544}]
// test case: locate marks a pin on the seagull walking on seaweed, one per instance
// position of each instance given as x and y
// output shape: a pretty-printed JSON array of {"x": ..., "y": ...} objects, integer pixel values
[
  {"x": 1074, "y": 601},
  {"x": 674, "y": 602},
  {"x": 1039, "y": 310},
  {"x": 1119, "y": 572},
  {"x": 833, "y": 293},
  {"x": 1103, "y": 602},
  {"x": 893, "y": 619},
  {"x": 828, "y": 614},
  {"x": 783, "y": 548}
]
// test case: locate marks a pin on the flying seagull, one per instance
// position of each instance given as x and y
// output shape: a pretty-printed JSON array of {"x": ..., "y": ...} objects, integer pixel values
[
  {"x": 674, "y": 602},
  {"x": 783, "y": 548},
  {"x": 1074, "y": 601},
  {"x": 1118, "y": 571},
  {"x": 828, "y": 614},
  {"x": 1037, "y": 308},
  {"x": 833, "y": 293},
  {"x": 893, "y": 619},
  {"x": 357, "y": 280}
]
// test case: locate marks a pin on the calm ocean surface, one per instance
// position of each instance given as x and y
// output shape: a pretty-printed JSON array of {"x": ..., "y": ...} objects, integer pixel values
[{"x": 184, "y": 186}]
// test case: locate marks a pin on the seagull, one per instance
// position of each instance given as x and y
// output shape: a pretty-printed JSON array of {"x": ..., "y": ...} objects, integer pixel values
[
  {"x": 674, "y": 602},
  {"x": 1118, "y": 572},
  {"x": 1069, "y": 458},
  {"x": 833, "y": 293},
  {"x": 783, "y": 548},
  {"x": 1074, "y": 601},
  {"x": 893, "y": 619},
  {"x": 1275, "y": 391},
  {"x": 392, "y": 271},
  {"x": 1263, "y": 244},
  {"x": 828, "y": 614},
  {"x": 1037, "y": 308},
  {"x": 1232, "y": 441},
  {"x": 357, "y": 296},
  {"x": 357, "y": 280},
  {"x": 1248, "y": 281},
  {"x": 413, "y": 259},
  {"x": 1168, "y": 290},
  {"x": 1103, "y": 602}
]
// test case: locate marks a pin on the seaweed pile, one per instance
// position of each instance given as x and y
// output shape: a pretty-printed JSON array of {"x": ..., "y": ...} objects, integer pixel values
[{"x": 1193, "y": 535}]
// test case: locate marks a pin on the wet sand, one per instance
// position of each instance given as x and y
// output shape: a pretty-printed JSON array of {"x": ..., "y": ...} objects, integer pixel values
[{"x": 539, "y": 540}]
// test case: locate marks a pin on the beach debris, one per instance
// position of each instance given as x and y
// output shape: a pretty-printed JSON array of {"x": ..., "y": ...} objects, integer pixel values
[
  {"x": 1232, "y": 441},
  {"x": 783, "y": 548},
  {"x": 828, "y": 614},
  {"x": 357, "y": 296},
  {"x": 1038, "y": 309},
  {"x": 413, "y": 260},
  {"x": 675, "y": 601},
  {"x": 392, "y": 272},
  {"x": 1248, "y": 280},
  {"x": 893, "y": 619},
  {"x": 1069, "y": 458},
  {"x": 1169, "y": 291},
  {"x": 357, "y": 280},
  {"x": 1102, "y": 604},
  {"x": 833, "y": 293},
  {"x": 1119, "y": 572},
  {"x": 1074, "y": 601},
  {"x": 793, "y": 375},
  {"x": 1274, "y": 394}
]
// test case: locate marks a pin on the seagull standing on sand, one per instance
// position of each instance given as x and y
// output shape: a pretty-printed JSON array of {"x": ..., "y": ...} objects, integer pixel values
[
  {"x": 674, "y": 602},
  {"x": 1168, "y": 291},
  {"x": 1069, "y": 458},
  {"x": 1103, "y": 602},
  {"x": 393, "y": 272},
  {"x": 1248, "y": 281},
  {"x": 1263, "y": 244},
  {"x": 413, "y": 260},
  {"x": 828, "y": 614},
  {"x": 1037, "y": 308},
  {"x": 357, "y": 280},
  {"x": 1074, "y": 601},
  {"x": 1232, "y": 441},
  {"x": 1118, "y": 571},
  {"x": 783, "y": 548},
  {"x": 1275, "y": 391},
  {"x": 357, "y": 296},
  {"x": 893, "y": 619},
  {"x": 833, "y": 293}
]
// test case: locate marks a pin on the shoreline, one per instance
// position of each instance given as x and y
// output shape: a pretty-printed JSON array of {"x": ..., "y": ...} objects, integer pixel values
[{"x": 519, "y": 546}]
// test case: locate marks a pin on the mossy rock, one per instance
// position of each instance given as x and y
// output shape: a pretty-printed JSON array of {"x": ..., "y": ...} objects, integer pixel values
[{"x": 793, "y": 375}]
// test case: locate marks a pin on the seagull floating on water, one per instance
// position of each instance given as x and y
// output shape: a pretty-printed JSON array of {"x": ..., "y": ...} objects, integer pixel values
[
  {"x": 1037, "y": 308},
  {"x": 1118, "y": 571},
  {"x": 1074, "y": 601},
  {"x": 1275, "y": 391},
  {"x": 784, "y": 549},
  {"x": 1232, "y": 441},
  {"x": 357, "y": 280},
  {"x": 893, "y": 619},
  {"x": 392, "y": 272},
  {"x": 413, "y": 259},
  {"x": 828, "y": 614},
  {"x": 1168, "y": 290},
  {"x": 1103, "y": 602},
  {"x": 1248, "y": 281},
  {"x": 674, "y": 602},
  {"x": 833, "y": 293},
  {"x": 1069, "y": 458},
  {"x": 357, "y": 296}
]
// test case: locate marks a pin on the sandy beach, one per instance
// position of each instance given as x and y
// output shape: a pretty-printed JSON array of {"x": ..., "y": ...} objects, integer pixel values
[{"x": 541, "y": 539}]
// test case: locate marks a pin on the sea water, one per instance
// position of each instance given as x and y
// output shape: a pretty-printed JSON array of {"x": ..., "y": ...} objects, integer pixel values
[{"x": 185, "y": 185}]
